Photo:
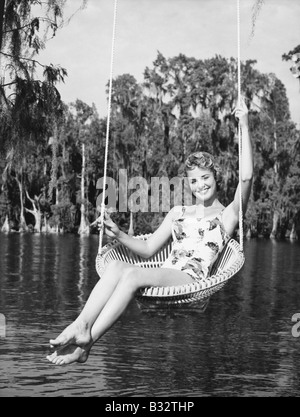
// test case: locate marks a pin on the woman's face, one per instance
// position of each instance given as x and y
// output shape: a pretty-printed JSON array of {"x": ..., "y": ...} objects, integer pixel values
[{"x": 203, "y": 184}]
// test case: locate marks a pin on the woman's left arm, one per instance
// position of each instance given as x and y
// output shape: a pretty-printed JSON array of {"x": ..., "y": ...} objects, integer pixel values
[{"x": 231, "y": 213}]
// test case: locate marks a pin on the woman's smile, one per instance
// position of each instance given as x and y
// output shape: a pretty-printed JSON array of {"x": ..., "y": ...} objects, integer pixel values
[
  {"x": 203, "y": 190},
  {"x": 203, "y": 193}
]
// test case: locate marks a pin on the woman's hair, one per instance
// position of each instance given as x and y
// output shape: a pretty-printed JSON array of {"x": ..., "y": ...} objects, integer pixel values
[{"x": 203, "y": 160}]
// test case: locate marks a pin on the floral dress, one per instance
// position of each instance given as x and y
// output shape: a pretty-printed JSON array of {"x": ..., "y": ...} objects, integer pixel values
[{"x": 197, "y": 243}]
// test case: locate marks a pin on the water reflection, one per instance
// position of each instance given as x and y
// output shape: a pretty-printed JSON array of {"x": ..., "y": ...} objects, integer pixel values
[
  {"x": 240, "y": 344},
  {"x": 85, "y": 266}
]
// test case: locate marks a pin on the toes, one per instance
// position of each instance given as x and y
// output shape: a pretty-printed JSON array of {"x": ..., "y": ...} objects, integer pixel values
[
  {"x": 59, "y": 361},
  {"x": 67, "y": 355},
  {"x": 52, "y": 357},
  {"x": 59, "y": 341}
]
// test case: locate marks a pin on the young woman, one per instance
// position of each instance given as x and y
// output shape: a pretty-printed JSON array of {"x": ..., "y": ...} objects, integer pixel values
[{"x": 199, "y": 232}]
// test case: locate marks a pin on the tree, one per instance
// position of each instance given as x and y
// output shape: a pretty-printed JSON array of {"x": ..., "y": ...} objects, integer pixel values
[
  {"x": 183, "y": 105},
  {"x": 275, "y": 146},
  {"x": 294, "y": 56},
  {"x": 31, "y": 105},
  {"x": 82, "y": 116}
]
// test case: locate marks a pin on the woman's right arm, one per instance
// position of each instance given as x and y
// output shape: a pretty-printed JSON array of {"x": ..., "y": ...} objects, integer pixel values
[{"x": 144, "y": 248}]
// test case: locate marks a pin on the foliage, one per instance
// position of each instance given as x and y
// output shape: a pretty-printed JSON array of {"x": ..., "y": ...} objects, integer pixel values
[
  {"x": 294, "y": 57},
  {"x": 255, "y": 13},
  {"x": 30, "y": 103},
  {"x": 183, "y": 105}
]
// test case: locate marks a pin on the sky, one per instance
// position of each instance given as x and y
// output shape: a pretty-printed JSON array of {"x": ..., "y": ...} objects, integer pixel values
[{"x": 195, "y": 28}]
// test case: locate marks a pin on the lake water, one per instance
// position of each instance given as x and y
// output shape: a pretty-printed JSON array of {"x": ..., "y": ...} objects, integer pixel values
[{"x": 241, "y": 345}]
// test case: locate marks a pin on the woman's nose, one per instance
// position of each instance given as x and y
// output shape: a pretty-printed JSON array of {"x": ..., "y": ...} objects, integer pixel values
[{"x": 199, "y": 183}]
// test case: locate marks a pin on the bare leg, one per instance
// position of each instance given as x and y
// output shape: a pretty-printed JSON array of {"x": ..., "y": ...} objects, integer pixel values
[
  {"x": 132, "y": 279},
  {"x": 79, "y": 332}
]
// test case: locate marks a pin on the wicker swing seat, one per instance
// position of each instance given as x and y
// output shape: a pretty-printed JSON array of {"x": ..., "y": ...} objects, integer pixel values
[{"x": 229, "y": 262}]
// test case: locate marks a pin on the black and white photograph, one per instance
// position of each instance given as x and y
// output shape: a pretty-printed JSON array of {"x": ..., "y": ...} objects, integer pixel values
[{"x": 149, "y": 201}]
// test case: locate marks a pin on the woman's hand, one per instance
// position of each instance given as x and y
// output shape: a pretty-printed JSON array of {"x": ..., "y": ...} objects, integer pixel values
[
  {"x": 241, "y": 114},
  {"x": 110, "y": 228}
]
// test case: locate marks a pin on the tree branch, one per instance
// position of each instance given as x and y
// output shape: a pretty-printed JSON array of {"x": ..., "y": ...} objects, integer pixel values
[
  {"x": 43, "y": 19},
  {"x": 8, "y": 84},
  {"x": 30, "y": 199},
  {"x": 25, "y": 59}
]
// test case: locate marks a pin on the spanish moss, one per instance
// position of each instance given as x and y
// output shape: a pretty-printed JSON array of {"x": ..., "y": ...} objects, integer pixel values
[{"x": 256, "y": 8}]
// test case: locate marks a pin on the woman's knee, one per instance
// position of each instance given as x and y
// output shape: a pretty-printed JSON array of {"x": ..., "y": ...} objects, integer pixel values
[
  {"x": 115, "y": 268},
  {"x": 129, "y": 278}
]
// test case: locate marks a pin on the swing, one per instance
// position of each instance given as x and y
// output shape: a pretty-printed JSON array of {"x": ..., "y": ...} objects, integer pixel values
[{"x": 228, "y": 264}]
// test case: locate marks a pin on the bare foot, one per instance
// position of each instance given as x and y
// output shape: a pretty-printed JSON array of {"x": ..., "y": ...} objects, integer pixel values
[
  {"x": 69, "y": 354},
  {"x": 77, "y": 334}
]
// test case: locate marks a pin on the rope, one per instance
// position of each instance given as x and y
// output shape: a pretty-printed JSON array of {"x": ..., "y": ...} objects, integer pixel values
[
  {"x": 241, "y": 226},
  {"x": 108, "y": 127}
]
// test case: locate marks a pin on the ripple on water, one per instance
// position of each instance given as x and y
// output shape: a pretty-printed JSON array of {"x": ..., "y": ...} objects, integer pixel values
[{"x": 240, "y": 346}]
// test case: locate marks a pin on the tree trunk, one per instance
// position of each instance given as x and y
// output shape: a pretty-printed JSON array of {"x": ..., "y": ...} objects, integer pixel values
[
  {"x": 275, "y": 214},
  {"x": 63, "y": 160},
  {"x": 6, "y": 227},
  {"x": 84, "y": 228},
  {"x": 23, "y": 226},
  {"x": 36, "y": 212},
  {"x": 275, "y": 225},
  {"x": 275, "y": 148},
  {"x": 45, "y": 227},
  {"x": 44, "y": 188},
  {"x": 56, "y": 195},
  {"x": 38, "y": 220},
  {"x": 184, "y": 143},
  {"x": 293, "y": 235}
]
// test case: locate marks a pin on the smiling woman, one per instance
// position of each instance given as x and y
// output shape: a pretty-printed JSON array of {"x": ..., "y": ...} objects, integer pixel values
[
  {"x": 197, "y": 242},
  {"x": 199, "y": 234}
]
